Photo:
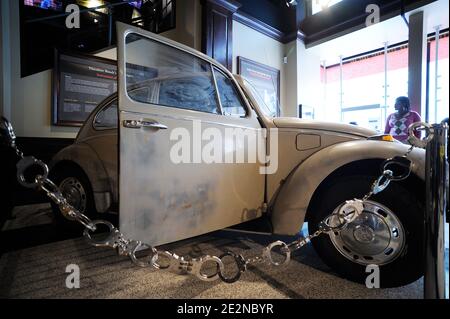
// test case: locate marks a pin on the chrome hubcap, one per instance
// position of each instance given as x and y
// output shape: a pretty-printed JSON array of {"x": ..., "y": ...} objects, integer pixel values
[
  {"x": 375, "y": 237},
  {"x": 75, "y": 193},
  {"x": 364, "y": 234}
]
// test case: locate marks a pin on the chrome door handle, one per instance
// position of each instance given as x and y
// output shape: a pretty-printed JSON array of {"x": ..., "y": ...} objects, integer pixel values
[
  {"x": 153, "y": 124},
  {"x": 144, "y": 123}
]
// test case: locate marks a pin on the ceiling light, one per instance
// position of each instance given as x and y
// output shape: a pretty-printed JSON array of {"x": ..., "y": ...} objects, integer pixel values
[
  {"x": 291, "y": 3},
  {"x": 323, "y": 3},
  {"x": 94, "y": 3}
]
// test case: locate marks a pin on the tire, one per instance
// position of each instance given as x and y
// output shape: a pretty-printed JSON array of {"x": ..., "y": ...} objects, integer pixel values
[
  {"x": 76, "y": 187},
  {"x": 395, "y": 205}
]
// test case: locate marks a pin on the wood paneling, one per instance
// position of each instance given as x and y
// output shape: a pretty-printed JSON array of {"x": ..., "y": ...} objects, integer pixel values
[{"x": 217, "y": 39}]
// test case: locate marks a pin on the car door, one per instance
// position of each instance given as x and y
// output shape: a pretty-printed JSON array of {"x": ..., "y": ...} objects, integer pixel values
[{"x": 172, "y": 184}]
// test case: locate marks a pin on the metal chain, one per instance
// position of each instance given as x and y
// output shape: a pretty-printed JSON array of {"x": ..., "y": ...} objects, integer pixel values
[{"x": 165, "y": 260}]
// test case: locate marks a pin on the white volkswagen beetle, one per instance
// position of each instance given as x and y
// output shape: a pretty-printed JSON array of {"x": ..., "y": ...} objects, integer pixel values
[{"x": 122, "y": 157}]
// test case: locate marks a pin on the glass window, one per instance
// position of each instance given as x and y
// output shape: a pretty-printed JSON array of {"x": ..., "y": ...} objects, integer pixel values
[
  {"x": 332, "y": 94},
  {"x": 188, "y": 92},
  {"x": 229, "y": 97},
  {"x": 439, "y": 95},
  {"x": 397, "y": 78},
  {"x": 365, "y": 100},
  {"x": 184, "y": 80},
  {"x": 142, "y": 94},
  {"x": 106, "y": 118},
  {"x": 320, "y": 5},
  {"x": 362, "y": 87},
  {"x": 266, "y": 109}
]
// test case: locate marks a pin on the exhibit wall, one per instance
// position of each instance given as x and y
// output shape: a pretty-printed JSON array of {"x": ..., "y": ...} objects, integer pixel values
[
  {"x": 289, "y": 108},
  {"x": 309, "y": 85},
  {"x": 29, "y": 102},
  {"x": 30, "y": 112},
  {"x": 255, "y": 46}
]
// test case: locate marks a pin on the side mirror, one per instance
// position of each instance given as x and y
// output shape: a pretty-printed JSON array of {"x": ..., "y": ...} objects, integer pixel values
[{"x": 7, "y": 135}]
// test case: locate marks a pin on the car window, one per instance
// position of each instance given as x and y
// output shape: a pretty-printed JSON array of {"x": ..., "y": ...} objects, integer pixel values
[
  {"x": 143, "y": 94},
  {"x": 229, "y": 96},
  {"x": 185, "y": 81},
  {"x": 263, "y": 106},
  {"x": 106, "y": 118},
  {"x": 193, "y": 93}
]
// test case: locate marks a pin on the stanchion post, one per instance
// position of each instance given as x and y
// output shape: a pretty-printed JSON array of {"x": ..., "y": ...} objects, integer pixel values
[{"x": 436, "y": 176}]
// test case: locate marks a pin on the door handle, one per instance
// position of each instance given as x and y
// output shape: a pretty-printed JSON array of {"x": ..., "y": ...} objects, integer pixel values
[
  {"x": 153, "y": 124},
  {"x": 145, "y": 123}
]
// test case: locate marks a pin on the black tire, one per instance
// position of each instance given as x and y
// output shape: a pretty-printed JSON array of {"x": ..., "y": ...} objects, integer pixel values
[
  {"x": 60, "y": 177},
  {"x": 407, "y": 267}
]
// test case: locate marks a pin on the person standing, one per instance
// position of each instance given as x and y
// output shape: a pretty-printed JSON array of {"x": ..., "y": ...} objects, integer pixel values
[{"x": 397, "y": 123}]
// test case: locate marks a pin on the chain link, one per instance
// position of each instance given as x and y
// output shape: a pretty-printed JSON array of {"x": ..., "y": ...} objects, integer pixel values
[{"x": 154, "y": 258}]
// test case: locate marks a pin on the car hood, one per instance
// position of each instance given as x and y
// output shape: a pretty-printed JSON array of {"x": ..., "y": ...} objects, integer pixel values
[{"x": 296, "y": 123}]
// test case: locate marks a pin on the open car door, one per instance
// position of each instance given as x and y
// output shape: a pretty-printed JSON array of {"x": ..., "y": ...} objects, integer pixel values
[{"x": 173, "y": 101}]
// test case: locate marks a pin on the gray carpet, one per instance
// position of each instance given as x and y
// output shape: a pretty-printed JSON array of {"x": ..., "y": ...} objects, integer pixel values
[{"x": 39, "y": 272}]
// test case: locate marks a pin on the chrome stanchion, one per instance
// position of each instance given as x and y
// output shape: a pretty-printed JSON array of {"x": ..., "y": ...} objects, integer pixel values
[{"x": 436, "y": 208}]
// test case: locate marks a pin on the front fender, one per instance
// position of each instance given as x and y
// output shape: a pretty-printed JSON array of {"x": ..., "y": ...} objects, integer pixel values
[{"x": 291, "y": 204}]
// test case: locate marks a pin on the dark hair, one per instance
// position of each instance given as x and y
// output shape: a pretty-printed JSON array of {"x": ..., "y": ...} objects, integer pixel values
[{"x": 403, "y": 100}]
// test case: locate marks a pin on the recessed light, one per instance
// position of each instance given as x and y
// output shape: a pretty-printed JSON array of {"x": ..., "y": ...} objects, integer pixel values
[{"x": 291, "y": 3}]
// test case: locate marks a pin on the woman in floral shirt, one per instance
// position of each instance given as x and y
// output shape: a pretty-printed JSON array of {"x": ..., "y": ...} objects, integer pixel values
[{"x": 397, "y": 123}]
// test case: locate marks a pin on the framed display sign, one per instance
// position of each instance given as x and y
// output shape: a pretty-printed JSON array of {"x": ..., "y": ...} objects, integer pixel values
[
  {"x": 265, "y": 80},
  {"x": 81, "y": 82}
]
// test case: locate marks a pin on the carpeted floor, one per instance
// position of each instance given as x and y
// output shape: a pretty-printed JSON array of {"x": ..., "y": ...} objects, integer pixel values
[{"x": 40, "y": 271}]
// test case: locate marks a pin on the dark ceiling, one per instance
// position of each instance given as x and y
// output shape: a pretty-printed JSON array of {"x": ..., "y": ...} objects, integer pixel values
[
  {"x": 272, "y": 12},
  {"x": 350, "y": 15},
  {"x": 39, "y": 38},
  {"x": 44, "y": 29},
  {"x": 344, "y": 17}
]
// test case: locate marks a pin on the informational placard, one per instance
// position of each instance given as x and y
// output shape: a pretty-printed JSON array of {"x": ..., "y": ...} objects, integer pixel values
[
  {"x": 81, "y": 82},
  {"x": 265, "y": 80}
]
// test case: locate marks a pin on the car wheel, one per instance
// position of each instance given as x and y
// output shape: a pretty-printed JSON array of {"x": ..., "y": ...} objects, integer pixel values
[
  {"x": 389, "y": 233},
  {"x": 76, "y": 188}
]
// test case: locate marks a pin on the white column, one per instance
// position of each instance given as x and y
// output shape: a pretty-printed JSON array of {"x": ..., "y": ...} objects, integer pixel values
[
  {"x": 309, "y": 82},
  {"x": 436, "y": 76},
  {"x": 384, "y": 108},
  {"x": 417, "y": 61},
  {"x": 290, "y": 107}
]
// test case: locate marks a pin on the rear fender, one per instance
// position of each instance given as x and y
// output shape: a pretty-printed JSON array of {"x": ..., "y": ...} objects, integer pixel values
[{"x": 85, "y": 157}]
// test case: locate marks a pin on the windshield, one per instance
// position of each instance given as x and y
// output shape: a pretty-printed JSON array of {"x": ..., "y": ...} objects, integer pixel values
[{"x": 268, "y": 111}]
